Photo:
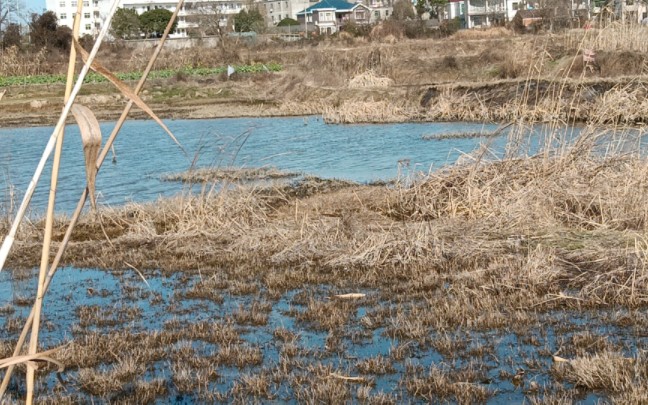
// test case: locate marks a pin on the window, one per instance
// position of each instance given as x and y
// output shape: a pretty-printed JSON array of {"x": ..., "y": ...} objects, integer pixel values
[
  {"x": 386, "y": 13},
  {"x": 86, "y": 4},
  {"x": 96, "y": 3},
  {"x": 88, "y": 27},
  {"x": 63, "y": 16},
  {"x": 62, "y": 4},
  {"x": 376, "y": 14},
  {"x": 97, "y": 25},
  {"x": 86, "y": 15},
  {"x": 514, "y": 6},
  {"x": 74, "y": 4}
]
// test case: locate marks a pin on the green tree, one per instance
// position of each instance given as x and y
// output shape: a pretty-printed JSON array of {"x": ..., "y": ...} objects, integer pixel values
[
  {"x": 403, "y": 10},
  {"x": 125, "y": 24},
  {"x": 153, "y": 22},
  {"x": 42, "y": 29},
  {"x": 12, "y": 36},
  {"x": 62, "y": 38},
  {"x": 287, "y": 22},
  {"x": 249, "y": 21}
]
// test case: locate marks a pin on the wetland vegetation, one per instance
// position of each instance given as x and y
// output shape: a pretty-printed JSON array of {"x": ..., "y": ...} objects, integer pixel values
[{"x": 517, "y": 275}]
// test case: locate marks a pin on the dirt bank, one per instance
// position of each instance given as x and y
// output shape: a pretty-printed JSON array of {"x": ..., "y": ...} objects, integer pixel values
[{"x": 500, "y": 78}]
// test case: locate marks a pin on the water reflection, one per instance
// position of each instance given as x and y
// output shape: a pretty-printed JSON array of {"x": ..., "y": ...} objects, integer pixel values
[{"x": 144, "y": 153}]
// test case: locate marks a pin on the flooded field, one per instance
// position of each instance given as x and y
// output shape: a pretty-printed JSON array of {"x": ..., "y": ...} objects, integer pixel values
[{"x": 199, "y": 338}]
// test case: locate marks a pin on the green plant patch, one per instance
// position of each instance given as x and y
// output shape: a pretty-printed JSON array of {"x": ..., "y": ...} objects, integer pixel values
[{"x": 7, "y": 81}]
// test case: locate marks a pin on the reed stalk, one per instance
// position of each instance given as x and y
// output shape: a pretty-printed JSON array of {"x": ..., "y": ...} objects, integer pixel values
[
  {"x": 84, "y": 194},
  {"x": 11, "y": 236},
  {"x": 49, "y": 220}
]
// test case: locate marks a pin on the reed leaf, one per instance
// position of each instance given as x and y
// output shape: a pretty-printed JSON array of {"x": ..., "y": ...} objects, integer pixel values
[
  {"x": 91, "y": 138},
  {"x": 125, "y": 90}
]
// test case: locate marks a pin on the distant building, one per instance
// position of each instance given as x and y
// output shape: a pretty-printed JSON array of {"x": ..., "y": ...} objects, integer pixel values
[
  {"x": 485, "y": 13},
  {"x": 277, "y": 10},
  {"x": 330, "y": 16},
  {"x": 380, "y": 9},
  {"x": 95, "y": 12}
]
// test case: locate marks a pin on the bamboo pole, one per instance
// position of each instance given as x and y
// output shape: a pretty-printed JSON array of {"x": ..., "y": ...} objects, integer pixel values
[
  {"x": 49, "y": 219},
  {"x": 84, "y": 194},
  {"x": 11, "y": 236}
]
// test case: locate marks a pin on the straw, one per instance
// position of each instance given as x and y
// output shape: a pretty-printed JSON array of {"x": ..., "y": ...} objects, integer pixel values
[
  {"x": 9, "y": 239},
  {"x": 84, "y": 194},
  {"x": 49, "y": 220}
]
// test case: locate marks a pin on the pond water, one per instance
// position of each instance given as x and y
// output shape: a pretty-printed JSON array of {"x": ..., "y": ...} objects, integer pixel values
[
  {"x": 84, "y": 301},
  {"x": 144, "y": 152}
]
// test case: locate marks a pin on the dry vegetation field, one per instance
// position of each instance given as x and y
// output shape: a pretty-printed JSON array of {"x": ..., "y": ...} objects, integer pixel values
[
  {"x": 517, "y": 279},
  {"x": 480, "y": 76}
]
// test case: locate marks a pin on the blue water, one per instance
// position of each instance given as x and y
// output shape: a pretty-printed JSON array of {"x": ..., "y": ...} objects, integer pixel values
[{"x": 144, "y": 152}]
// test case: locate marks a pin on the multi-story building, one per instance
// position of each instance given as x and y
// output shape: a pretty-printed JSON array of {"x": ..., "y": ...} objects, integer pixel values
[
  {"x": 277, "y": 10},
  {"x": 95, "y": 12},
  {"x": 484, "y": 13},
  {"x": 380, "y": 9},
  {"x": 91, "y": 21}
]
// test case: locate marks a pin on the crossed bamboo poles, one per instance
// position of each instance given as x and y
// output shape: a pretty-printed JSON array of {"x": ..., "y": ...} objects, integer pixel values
[{"x": 45, "y": 279}]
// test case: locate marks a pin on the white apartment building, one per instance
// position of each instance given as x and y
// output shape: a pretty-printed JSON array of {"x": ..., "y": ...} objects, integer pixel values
[
  {"x": 95, "y": 12},
  {"x": 91, "y": 21},
  {"x": 277, "y": 10}
]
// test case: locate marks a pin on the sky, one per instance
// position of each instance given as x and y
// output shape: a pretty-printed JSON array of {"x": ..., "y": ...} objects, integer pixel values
[{"x": 35, "y": 5}]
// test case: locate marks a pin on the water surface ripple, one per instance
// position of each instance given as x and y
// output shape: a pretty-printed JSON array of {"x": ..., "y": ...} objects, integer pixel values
[{"x": 305, "y": 144}]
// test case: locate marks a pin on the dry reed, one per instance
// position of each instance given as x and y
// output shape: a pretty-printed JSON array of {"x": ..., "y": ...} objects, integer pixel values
[{"x": 369, "y": 79}]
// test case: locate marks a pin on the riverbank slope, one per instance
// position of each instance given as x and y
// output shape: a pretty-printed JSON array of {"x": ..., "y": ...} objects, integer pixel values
[{"x": 482, "y": 76}]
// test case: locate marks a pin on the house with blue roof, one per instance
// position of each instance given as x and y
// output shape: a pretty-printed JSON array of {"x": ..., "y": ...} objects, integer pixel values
[{"x": 329, "y": 16}]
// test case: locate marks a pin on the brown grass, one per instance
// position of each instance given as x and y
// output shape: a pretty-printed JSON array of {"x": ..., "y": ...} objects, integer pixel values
[{"x": 208, "y": 175}]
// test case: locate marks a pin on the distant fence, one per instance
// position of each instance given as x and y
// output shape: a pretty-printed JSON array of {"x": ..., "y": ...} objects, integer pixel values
[{"x": 173, "y": 43}]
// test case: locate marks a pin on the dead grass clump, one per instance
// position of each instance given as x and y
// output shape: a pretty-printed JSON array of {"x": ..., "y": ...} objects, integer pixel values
[
  {"x": 107, "y": 316},
  {"x": 484, "y": 33},
  {"x": 624, "y": 63},
  {"x": 256, "y": 315},
  {"x": 203, "y": 291},
  {"x": 208, "y": 175},
  {"x": 327, "y": 315},
  {"x": 319, "y": 385},
  {"x": 463, "y": 386},
  {"x": 102, "y": 383},
  {"x": 15, "y": 63},
  {"x": 367, "y": 112},
  {"x": 610, "y": 371},
  {"x": 239, "y": 355},
  {"x": 256, "y": 386},
  {"x": 213, "y": 332},
  {"x": 376, "y": 365},
  {"x": 388, "y": 31},
  {"x": 369, "y": 79}
]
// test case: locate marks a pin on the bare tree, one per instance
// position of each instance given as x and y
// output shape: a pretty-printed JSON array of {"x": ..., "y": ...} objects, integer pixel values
[
  {"x": 8, "y": 9},
  {"x": 207, "y": 19}
]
